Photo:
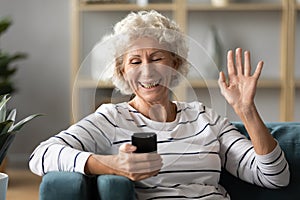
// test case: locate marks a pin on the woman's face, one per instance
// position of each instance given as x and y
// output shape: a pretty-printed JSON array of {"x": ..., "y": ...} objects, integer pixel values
[{"x": 149, "y": 68}]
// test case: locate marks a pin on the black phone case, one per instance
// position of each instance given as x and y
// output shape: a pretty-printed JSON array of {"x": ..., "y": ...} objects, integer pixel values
[{"x": 145, "y": 142}]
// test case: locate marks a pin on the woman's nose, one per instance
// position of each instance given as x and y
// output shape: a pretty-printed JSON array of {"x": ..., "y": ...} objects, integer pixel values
[{"x": 146, "y": 69}]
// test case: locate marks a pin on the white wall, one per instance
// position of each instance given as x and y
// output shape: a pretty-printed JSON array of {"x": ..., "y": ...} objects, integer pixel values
[{"x": 41, "y": 28}]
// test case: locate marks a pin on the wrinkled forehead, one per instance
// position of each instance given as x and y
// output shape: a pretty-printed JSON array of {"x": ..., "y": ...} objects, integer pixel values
[{"x": 146, "y": 43}]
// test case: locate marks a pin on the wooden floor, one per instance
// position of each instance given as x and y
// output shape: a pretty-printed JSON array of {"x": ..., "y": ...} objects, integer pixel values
[{"x": 22, "y": 185}]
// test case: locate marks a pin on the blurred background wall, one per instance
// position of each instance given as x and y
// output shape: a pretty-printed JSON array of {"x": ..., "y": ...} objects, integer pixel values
[{"x": 41, "y": 28}]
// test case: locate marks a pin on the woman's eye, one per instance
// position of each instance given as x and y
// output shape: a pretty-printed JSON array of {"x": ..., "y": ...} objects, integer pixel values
[
  {"x": 135, "y": 62},
  {"x": 156, "y": 59}
]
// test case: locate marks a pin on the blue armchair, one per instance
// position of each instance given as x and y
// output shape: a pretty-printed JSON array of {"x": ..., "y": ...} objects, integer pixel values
[{"x": 75, "y": 186}]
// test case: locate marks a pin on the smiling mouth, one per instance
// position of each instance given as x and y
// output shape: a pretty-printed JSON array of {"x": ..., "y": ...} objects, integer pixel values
[{"x": 150, "y": 85}]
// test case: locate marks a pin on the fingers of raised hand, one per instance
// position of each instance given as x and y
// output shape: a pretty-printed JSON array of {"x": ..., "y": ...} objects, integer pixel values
[
  {"x": 258, "y": 69},
  {"x": 238, "y": 67},
  {"x": 239, "y": 61},
  {"x": 222, "y": 81},
  {"x": 230, "y": 63},
  {"x": 247, "y": 63}
]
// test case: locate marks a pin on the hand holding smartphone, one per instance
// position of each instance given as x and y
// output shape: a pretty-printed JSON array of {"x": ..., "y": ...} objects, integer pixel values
[{"x": 145, "y": 142}]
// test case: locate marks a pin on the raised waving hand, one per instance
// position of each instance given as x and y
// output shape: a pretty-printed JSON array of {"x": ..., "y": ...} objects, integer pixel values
[
  {"x": 240, "y": 87},
  {"x": 239, "y": 90}
]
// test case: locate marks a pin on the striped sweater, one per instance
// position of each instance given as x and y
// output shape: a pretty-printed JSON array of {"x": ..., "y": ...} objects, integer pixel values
[{"x": 194, "y": 148}]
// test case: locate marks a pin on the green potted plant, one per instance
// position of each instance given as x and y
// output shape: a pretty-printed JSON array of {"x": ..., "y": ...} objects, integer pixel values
[
  {"x": 7, "y": 67},
  {"x": 8, "y": 125}
]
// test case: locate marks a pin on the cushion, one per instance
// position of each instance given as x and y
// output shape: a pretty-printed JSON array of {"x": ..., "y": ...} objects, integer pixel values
[{"x": 288, "y": 136}]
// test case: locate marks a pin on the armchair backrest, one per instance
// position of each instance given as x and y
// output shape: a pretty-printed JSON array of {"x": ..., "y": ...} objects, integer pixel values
[{"x": 288, "y": 136}]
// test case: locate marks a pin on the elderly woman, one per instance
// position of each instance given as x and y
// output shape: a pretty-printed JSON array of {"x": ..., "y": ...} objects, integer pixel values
[{"x": 194, "y": 142}]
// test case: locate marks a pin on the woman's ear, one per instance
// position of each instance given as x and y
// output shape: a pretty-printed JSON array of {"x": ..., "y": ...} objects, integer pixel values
[
  {"x": 120, "y": 68},
  {"x": 124, "y": 75}
]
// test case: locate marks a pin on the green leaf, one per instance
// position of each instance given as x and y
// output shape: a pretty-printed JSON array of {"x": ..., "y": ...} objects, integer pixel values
[
  {"x": 12, "y": 115},
  {"x": 5, "y": 73},
  {"x": 5, "y": 142},
  {"x": 6, "y": 88},
  {"x": 4, "y": 126},
  {"x": 6, "y": 59},
  {"x": 4, "y": 24},
  {"x": 21, "y": 123},
  {"x": 3, "y": 100}
]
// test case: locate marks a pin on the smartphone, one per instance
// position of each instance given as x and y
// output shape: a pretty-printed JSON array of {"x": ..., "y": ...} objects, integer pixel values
[{"x": 145, "y": 142}]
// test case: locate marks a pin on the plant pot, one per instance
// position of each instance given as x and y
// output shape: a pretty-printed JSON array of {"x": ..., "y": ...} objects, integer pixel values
[{"x": 3, "y": 185}]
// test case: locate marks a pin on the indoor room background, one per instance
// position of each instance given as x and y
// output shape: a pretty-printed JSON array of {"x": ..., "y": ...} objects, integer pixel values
[{"x": 43, "y": 30}]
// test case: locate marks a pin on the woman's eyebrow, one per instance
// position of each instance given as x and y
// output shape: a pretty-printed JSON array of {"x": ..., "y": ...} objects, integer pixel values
[
  {"x": 157, "y": 51},
  {"x": 136, "y": 54},
  {"x": 130, "y": 55}
]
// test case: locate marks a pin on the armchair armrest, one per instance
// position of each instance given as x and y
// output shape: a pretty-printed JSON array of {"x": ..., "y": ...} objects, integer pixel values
[
  {"x": 65, "y": 185},
  {"x": 115, "y": 187},
  {"x": 76, "y": 186}
]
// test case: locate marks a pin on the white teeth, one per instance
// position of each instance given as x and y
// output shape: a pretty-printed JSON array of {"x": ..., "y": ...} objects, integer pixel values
[{"x": 150, "y": 85}]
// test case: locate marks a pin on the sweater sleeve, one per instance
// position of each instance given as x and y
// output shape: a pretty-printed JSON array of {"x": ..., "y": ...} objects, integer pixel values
[
  {"x": 70, "y": 149},
  {"x": 239, "y": 158}
]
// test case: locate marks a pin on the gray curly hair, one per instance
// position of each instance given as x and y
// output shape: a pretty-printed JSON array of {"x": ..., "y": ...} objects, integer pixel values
[{"x": 146, "y": 24}]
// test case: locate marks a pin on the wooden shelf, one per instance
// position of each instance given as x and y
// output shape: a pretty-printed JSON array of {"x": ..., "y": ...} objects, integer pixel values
[
  {"x": 126, "y": 7},
  {"x": 236, "y": 7},
  {"x": 297, "y": 83},
  {"x": 269, "y": 83},
  {"x": 263, "y": 83},
  {"x": 90, "y": 83},
  {"x": 190, "y": 7},
  {"x": 204, "y": 84},
  {"x": 180, "y": 10}
]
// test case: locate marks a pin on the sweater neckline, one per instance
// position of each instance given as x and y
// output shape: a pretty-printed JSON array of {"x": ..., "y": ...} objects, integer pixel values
[{"x": 161, "y": 126}]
